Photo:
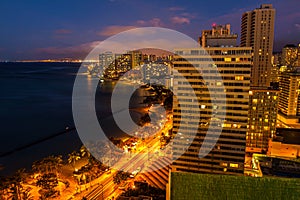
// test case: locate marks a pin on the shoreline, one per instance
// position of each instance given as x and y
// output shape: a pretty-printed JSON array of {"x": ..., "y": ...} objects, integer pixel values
[
  {"x": 10, "y": 160},
  {"x": 20, "y": 148},
  {"x": 62, "y": 144},
  {"x": 59, "y": 143}
]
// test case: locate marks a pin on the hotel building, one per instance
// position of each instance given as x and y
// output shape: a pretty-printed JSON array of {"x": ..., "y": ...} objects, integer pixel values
[
  {"x": 113, "y": 65},
  {"x": 291, "y": 55},
  {"x": 234, "y": 66},
  {"x": 218, "y": 36},
  {"x": 262, "y": 119},
  {"x": 289, "y": 99},
  {"x": 257, "y": 31}
]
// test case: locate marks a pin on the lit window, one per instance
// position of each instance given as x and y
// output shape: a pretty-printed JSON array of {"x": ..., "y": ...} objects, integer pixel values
[
  {"x": 239, "y": 78},
  {"x": 254, "y": 100},
  {"x": 234, "y": 165},
  {"x": 226, "y": 125},
  {"x": 227, "y": 59}
]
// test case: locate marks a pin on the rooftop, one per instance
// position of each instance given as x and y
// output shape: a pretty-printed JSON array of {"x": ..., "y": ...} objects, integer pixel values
[{"x": 208, "y": 186}]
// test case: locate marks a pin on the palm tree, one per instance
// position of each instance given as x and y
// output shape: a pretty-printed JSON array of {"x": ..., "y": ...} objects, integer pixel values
[
  {"x": 58, "y": 161},
  {"x": 120, "y": 176},
  {"x": 4, "y": 187},
  {"x": 84, "y": 151},
  {"x": 26, "y": 195},
  {"x": 44, "y": 166},
  {"x": 48, "y": 182},
  {"x": 36, "y": 167},
  {"x": 15, "y": 184},
  {"x": 73, "y": 157}
]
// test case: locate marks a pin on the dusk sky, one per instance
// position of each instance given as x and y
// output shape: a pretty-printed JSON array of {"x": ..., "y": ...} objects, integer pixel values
[{"x": 59, "y": 29}]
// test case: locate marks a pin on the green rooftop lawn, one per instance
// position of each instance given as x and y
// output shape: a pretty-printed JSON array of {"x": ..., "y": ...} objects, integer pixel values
[{"x": 206, "y": 186}]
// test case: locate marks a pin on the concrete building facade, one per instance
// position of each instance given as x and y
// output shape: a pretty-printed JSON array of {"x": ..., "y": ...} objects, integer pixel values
[
  {"x": 262, "y": 119},
  {"x": 234, "y": 66},
  {"x": 289, "y": 99},
  {"x": 257, "y": 31},
  {"x": 218, "y": 36},
  {"x": 291, "y": 55}
]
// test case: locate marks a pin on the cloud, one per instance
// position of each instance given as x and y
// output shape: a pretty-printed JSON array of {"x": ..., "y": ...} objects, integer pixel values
[
  {"x": 115, "y": 29},
  {"x": 156, "y": 22},
  {"x": 138, "y": 38},
  {"x": 62, "y": 31},
  {"x": 297, "y": 26},
  {"x": 180, "y": 20},
  {"x": 148, "y": 37},
  {"x": 189, "y": 15},
  {"x": 76, "y": 51},
  {"x": 112, "y": 30},
  {"x": 176, "y": 8}
]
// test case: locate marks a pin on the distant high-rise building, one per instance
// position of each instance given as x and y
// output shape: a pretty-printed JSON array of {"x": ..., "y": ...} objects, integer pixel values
[
  {"x": 276, "y": 63},
  {"x": 112, "y": 65},
  {"x": 123, "y": 62},
  {"x": 257, "y": 31},
  {"x": 262, "y": 118},
  {"x": 106, "y": 60},
  {"x": 158, "y": 73},
  {"x": 137, "y": 58},
  {"x": 234, "y": 66},
  {"x": 290, "y": 55},
  {"x": 107, "y": 64},
  {"x": 298, "y": 62},
  {"x": 218, "y": 36},
  {"x": 289, "y": 99},
  {"x": 277, "y": 58}
]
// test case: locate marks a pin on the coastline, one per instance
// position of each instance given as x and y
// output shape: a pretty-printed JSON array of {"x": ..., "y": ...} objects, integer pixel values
[{"x": 60, "y": 143}]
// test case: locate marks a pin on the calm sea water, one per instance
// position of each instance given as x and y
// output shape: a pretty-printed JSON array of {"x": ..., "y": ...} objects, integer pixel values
[{"x": 35, "y": 102}]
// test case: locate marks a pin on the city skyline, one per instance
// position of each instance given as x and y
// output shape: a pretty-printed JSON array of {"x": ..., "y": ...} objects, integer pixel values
[
  {"x": 62, "y": 30},
  {"x": 125, "y": 100}
]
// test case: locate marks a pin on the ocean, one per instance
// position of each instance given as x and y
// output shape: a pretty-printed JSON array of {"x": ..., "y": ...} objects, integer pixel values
[{"x": 36, "y": 102}]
